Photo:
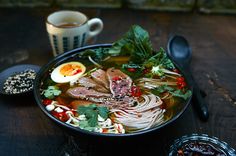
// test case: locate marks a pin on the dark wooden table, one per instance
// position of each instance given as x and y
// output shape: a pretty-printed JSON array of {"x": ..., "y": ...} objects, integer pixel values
[{"x": 25, "y": 130}]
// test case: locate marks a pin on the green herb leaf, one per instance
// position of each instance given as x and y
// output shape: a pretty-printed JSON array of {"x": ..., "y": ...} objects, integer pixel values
[
  {"x": 83, "y": 124},
  {"x": 92, "y": 118},
  {"x": 134, "y": 75},
  {"x": 97, "y": 54},
  {"x": 103, "y": 112},
  {"x": 162, "y": 89},
  {"x": 159, "y": 59},
  {"x": 83, "y": 109},
  {"x": 135, "y": 43},
  {"x": 91, "y": 113},
  {"x": 173, "y": 91},
  {"x": 181, "y": 94},
  {"x": 51, "y": 92}
]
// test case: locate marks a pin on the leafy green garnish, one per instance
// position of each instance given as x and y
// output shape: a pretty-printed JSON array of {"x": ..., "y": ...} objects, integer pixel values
[
  {"x": 159, "y": 59},
  {"x": 181, "y": 94},
  {"x": 103, "y": 112},
  {"x": 162, "y": 89},
  {"x": 134, "y": 75},
  {"x": 91, "y": 112},
  {"x": 135, "y": 43},
  {"x": 97, "y": 54},
  {"x": 157, "y": 70},
  {"x": 173, "y": 91},
  {"x": 51, "y": 92},
  {"x": 85, "y": 125}
]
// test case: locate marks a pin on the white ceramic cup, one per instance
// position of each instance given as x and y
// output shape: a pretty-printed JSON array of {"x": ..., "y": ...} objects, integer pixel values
[{"x": 68, "y": 30}]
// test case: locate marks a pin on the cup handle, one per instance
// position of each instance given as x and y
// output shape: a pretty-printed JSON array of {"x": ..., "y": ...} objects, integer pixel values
[{"x": 98, "y": 26}]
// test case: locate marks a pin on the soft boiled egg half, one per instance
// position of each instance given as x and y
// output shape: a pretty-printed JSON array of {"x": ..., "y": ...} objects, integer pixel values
[{"x": 67, "y": 72}]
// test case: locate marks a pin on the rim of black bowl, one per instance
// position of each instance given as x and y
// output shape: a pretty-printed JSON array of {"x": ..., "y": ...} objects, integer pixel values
[
  {"x": 12, "y": 70},
  {"x": 70, "y": 54},
  {"x": 214, "y": 141}
]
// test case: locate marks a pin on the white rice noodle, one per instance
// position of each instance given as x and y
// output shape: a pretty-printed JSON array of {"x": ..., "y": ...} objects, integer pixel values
[
  {"x": 150, "y": 83},
  {"x": 142, "y": 116},
  {"x": 95, "y": 63}
]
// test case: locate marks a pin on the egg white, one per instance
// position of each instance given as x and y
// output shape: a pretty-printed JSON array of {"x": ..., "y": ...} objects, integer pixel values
[{"x": 57, "y": 77}]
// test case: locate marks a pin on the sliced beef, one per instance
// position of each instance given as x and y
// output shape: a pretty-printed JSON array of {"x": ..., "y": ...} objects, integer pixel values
[
  {"x": 100, "y": 77},
  {"x": 90, "y": 83},
  {"x": 83, "y": 93},
  {"x": 120, "y": 83}
]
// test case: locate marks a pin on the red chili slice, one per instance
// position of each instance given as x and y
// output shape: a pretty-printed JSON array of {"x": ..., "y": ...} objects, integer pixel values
[
  {"x": 180, "y": 79},
  {"x": 61, "y": 116},
  {"x": 176, "y": 70},
  {"x": 131, "y": 69},
  {"x": 146, "y": 70},
  {"x": 47, "y": 102},
  {"x": 181, "y": 82},
  {"x": 116, "y": 78},
  {"x": 78, "y": 71},
  {"x": 136, "y": 91}
]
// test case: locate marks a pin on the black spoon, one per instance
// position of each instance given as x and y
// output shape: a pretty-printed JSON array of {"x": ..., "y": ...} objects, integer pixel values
[{"x": 180, "y": 52}]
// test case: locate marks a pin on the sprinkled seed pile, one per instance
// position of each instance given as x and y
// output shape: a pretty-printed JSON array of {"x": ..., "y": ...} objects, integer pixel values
[{"x": 20, "y": 82}]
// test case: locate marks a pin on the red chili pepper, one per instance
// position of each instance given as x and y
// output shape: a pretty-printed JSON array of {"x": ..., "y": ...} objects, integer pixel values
[
  {"x": 131, "y": 69},
  {"x": 180, "y": 79},
  {"x": 183, "y": 85},
  {"x": 116, "y": 78},
  {"x": 146, "y": 70},
  {"x": 47, "y": 102},
  {"x": 61, "y": 116},
  {"x": 181, "y": 82},
  {"x": 136, "y": 91},
  {"x": 176, "y": 70},
  {"x": 77, "y": 71},
  {"x": 104, "y": 130}
]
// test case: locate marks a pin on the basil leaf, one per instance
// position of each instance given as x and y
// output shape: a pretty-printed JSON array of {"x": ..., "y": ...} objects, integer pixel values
[{"x": 135, "y": 43}]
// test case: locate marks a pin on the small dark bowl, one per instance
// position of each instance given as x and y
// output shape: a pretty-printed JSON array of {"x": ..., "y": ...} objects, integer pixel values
[
  {"x": 202, "y": 139},
  {"x": 73, "y": 55},
  {"x": 12, "y": 71}
]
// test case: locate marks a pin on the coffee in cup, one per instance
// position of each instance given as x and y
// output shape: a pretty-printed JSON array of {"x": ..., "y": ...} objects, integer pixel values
[{"x": 69, "y": 30}]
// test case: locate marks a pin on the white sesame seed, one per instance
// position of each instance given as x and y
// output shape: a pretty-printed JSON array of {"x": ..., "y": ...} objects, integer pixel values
[{"x": 20, "y": 82}]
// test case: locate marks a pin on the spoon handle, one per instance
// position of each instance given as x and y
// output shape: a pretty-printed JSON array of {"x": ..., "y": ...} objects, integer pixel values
[{"x": 199, "y": 103}]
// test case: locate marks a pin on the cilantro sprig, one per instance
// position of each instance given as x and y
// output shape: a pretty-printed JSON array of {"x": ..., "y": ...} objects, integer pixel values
[
  {"x": 91, "y": 112},
  {"x": 173, "y": 91},
  {"x": 51, "y": 92}
]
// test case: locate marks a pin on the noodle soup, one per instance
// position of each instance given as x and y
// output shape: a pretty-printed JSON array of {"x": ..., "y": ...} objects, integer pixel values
[
  {"x": 120, "y": 100},
  {"x": 103, "y": 91}
]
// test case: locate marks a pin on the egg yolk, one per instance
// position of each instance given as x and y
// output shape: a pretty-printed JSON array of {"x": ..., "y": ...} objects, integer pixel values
[{"x": 70, "y": 69}]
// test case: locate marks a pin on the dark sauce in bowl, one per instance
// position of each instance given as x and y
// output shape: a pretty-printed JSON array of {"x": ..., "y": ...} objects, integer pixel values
[
  {"x": 196, "y": 148},
  {"x": 200, "y": 145}
]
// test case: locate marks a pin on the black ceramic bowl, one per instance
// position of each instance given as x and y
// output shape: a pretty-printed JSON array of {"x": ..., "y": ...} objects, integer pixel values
[
  {"x": 71, "y": 56},
  {"x": 13, "y": 70}
]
